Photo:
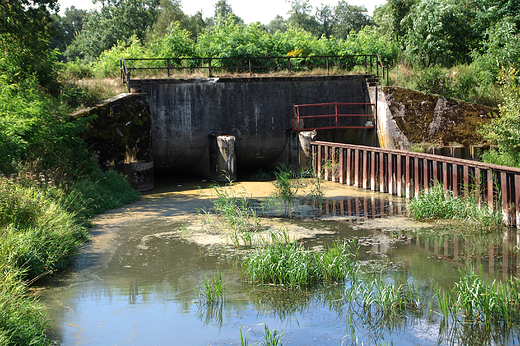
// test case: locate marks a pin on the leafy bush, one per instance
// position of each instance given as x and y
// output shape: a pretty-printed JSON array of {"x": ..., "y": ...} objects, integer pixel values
[
  {"x": 502, "y": 132},
  {"x": 107, "y": 64},
  {"x": 35, "y": 128}
]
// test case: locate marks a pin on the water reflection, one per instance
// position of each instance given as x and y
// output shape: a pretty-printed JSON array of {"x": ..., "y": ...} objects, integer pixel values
[
  {"x": 141, "y": 289},
  {"x": 358, "y": 207}
]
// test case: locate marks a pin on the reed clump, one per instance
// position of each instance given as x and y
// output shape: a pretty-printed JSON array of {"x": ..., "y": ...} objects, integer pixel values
[
  {"x": 211, "y": 292},
  {"x": 281, "y": 262},
  {"x": 472, "y": 300},
  {"x": 437, "y": 203}
]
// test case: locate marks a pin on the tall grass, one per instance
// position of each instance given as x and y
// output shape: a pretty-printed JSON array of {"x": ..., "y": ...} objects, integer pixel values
[
  {"x": 211, "y": 291},
  {"x": 285, "y": 186},
  {"x": 38, "y": 234},
  {"x": 22, "y": 320},
  {"x": 439, "y": 204},
  {"x": 235, "y": 215},
  {"x": 41, "y": 229},
  {"x": 289, "y": 264},
  {"x": 472, "y": 300}
]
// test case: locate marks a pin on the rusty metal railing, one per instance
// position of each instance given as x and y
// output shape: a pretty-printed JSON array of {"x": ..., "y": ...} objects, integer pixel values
[
  {"x": 314, "y": 116},
  {"x": 251, "y": 64},
  {"x": 405, "y": 174}
]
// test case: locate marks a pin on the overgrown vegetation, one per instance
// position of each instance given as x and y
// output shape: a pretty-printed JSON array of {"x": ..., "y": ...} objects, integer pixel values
[
  {"x": 286, "y": 263},
  {"x": 439, "y": 204}
]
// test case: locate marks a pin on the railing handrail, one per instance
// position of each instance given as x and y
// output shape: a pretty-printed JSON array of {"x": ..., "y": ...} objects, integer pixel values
[
  {"x": 125, "y": 73},
  {"x": 447, "y": 159},
  {"x": 335, "y": 104},
  {"x": 382, "y": 68},
  {"x": 367, "y": 62},
  {"x": 406, "y": 174},
  {"x": 333, "y": 113}
]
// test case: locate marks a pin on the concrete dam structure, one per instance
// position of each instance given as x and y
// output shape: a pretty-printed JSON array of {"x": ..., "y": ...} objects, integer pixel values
[{"x": 190, "y": 116}]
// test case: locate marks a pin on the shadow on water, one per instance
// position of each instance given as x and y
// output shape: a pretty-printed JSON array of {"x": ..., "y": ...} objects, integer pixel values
[{"x": 134, "y": 284}]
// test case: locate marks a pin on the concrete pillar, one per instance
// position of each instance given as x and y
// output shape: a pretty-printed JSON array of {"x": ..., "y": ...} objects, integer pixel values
[
  {"x": 305, "y": 153},
  {"x": 222, "y": 158}
]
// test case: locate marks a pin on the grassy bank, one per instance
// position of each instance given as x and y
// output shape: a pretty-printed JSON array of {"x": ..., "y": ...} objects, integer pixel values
[{"x": 41, "y": 229}]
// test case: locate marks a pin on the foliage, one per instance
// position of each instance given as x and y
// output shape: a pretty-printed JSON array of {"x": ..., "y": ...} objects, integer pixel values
[
  {"x": 474, "y": 301},
  {"x": 99, "y": 192},
  {"x": 501, "y": 48},
  {"x": 108, "y": 62},
  {"x": 38, "y": 234},
  {"x": 117, "y": 20},
  {"x": 439, "y": 204},
  {"x": 350, "y": 18},
  {"x": 25, "y": 32},
  {"x": 211, "y": 292},
  {"x": 503, "y": 132},
  {"x": 176, "y": 43},
  {"x": 35, "y": 128},
  {"x": 438, "y": 34},
  {"x": 288, "y": 264},
  {"x": 286, "y": 186},
  {"x": 22, "y": 320}
]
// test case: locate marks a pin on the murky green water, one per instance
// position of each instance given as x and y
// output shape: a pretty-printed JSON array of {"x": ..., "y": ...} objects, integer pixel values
[{"x": 134, "y": 284}]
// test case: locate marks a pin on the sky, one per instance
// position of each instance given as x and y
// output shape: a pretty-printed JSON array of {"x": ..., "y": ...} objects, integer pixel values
[{"x": 249, "y": 10}]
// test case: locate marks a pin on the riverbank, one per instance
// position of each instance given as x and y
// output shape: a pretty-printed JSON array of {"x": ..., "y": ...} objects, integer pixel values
[{"x": 41, "y": 230}]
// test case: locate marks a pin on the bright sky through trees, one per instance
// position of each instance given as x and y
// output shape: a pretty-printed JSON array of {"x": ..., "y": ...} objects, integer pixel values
[{"x": 249, "y": 10}]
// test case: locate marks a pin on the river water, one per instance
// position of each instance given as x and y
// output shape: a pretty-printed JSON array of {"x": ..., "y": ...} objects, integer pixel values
[{"x": 135, "y": 282}]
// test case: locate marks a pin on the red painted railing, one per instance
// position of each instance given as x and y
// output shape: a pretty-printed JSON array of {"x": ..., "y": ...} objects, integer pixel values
[
  {"x": 314, "y": 116},
  {"x": 405, "y": 174}
]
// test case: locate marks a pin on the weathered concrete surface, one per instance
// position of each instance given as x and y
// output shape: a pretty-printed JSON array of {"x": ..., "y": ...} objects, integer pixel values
[
  {"x": 256, "y": 111},
  {"x": 406, "y": 117},
  {"x": 121, "y": 137}
]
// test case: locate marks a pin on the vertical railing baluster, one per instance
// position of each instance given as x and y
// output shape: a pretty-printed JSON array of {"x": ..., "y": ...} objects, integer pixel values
[{"x": 399, "y": 177}]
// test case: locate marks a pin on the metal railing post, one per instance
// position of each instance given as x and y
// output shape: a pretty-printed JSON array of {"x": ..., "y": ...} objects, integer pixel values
[
  {"x": 168, "y": 66},
  {"x": 209, "y": 68},
  {"x": 327, "y": 61},
  {"x": 289, "y": 64},
  {"x": 250, "y": 72}
]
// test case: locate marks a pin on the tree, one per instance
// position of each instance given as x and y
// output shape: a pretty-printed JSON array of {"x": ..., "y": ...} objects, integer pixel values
[
  {"x": 392, "y": 17},
  {"x": 169, "y": 11},
  {"x": 504, "y": 132},
  {"x": 117, "y": 20},
  {"x": 66, "y": 27},
  {"x": 223, "y": 11},
  {"x": 277, "y": 24},
  {"x": 349, "y": 17},
  {"x": 301, "y": 17},
  {"x": 325, "y": 16},
  {"x": 25, "y": 32},
  {"x": 439, "y": 33}
]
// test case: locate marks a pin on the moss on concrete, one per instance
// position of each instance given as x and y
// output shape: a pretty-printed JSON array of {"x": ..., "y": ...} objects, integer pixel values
[{"x": 434, "y": 119}]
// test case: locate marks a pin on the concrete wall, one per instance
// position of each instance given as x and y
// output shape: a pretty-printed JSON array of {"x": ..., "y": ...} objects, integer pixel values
[
  {"x": 121, "y": 137},
  {"x": 185, "y": 113},
  {"x": 407, "y": 117}
]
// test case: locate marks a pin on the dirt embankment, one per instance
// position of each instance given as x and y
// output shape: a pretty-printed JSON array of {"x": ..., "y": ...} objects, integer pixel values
[{"x": 436, "y": 120}]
